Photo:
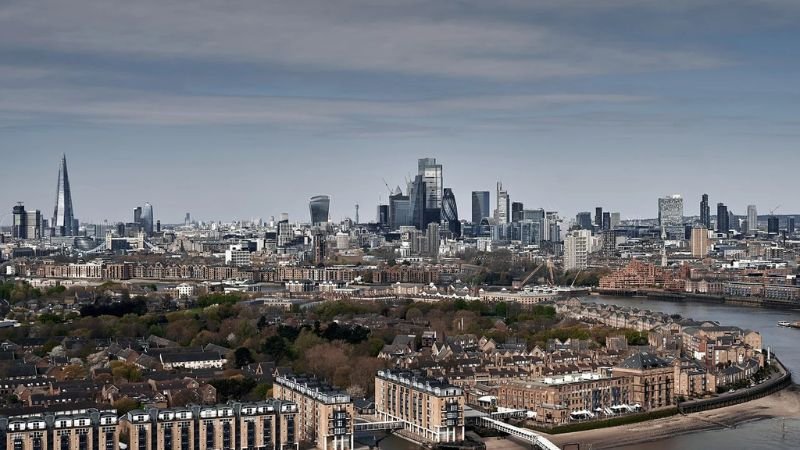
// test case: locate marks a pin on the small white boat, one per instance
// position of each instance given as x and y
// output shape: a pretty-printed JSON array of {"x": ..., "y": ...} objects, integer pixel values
[{"x": 784, "y": 323}]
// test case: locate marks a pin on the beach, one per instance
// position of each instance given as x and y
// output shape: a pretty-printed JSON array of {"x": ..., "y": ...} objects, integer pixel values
[{"x": 782, "y": 404}]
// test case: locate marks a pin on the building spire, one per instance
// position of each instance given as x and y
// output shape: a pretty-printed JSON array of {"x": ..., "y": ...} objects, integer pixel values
[{"x": 63, "y": 218}]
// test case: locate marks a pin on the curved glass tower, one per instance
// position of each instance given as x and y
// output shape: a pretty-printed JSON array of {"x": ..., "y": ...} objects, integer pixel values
[
  {"x": 147, "y": 219},
  {"x": 319, "y": 207},
  {"x": 450, "y": 212}
]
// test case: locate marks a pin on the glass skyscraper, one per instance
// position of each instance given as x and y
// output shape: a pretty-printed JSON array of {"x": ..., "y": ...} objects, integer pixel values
[
  {"x": 319, "y": 206},
  {"x": 63, "y": 216},
  {"x": 480, "y": 206},
  {"x": 450, "y": 212}
]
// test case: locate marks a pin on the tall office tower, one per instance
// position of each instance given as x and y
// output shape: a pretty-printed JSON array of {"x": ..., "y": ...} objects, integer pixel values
[
  {"x": 790, "y": 225},
  {"x": 480, "y": 206},
  {"x": 502, "y": 214},
  {"x": 383, "y": 215},
  {"x": 752, "y": 219},
  {"x": 614, "y": 220},
  {"x": 606, "y": 221},
  {"x": 63, "y": 217},
  {"x": 137, "y": 215},
  {"x": 432, "y": 237},
  {"x": 723, "y": 226},
  {"x": 516, "y": 211},
  {"x": 670, "y": 215},
  {"x": 450, "y": 212},
  {"x": 733, "y": 221},
  {"x": 188, "y": 219},
  {"x": 705, "y": 212},
  {"x": 431, "y": 174},
  {"x": 416, "y": 196},
  {"x": 584, "y": 220},
  {"x": 19, "y": 226},
  {"x": 319, "y": 248},
  {"x": 699, "y": 241},
  {"x": 598, "y": 217},
  {"x": 577, "y": 245},
  {"x": 399, "y": 210},
  {"x": 147, "y": 219},
  {"x": 319, "y": 207},
  {"x": 772, "y": 225}
]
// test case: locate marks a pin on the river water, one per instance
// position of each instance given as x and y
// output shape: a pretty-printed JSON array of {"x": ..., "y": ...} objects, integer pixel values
[{"x": 763, "y": 434}]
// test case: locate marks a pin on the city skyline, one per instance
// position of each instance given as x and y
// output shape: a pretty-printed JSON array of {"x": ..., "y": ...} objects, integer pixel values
[{"x": 299, "y": 212}]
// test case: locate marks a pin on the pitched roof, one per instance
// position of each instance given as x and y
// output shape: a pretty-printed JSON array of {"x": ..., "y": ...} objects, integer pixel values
[{"x": 643, "y": 360}]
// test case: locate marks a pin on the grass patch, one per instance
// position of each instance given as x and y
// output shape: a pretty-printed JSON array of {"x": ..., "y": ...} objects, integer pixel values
[{"x": 607, "y": 423}]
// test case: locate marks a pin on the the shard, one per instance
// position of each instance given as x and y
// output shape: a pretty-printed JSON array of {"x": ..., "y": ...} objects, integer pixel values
[{"x": 63, "y": 219}]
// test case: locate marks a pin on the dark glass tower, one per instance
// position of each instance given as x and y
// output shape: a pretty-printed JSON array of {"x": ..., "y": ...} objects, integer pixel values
[
  {"x": 63, "y": 217},
  {"x": 723, "y": 224},
  {"x": 319, "y": 208},
  {"x": 705, "y": 212},
  {"x": 480, "y": 206},
  {"x": 450, "y": 212}
]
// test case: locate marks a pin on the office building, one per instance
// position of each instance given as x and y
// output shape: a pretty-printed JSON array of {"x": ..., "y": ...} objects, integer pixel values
[
  {"x": 399, "y": 210},
  {"x": 320, "y": 248},
  {"x": 263, "y": 425},
  {"x": 431, "y": 174},
  {"x": 383, "y": 215},
  {"x": 536, "y": 215},
  {"x": 670, "y": 215},
  {"x": 606, "y": 221},
  {"x": 772, "y": 225},
  {"x": 752, "y": 219},
  {"x": 26, "y": 224},
  {"x": 790, "y": 225},
  {"x": 705, "y": 212},
  {"x": 450, "y": 212},
  {"x": 723, "y": 225},
  {"x": 480, "y": 206},
  {"x": 433, "y": 239},
  {"x": 699, "y": 241},
  {"x": 137, "y": 215},
  {"x": 615, "y": 220},
  {"x": 63, "y": 223},
  {"x": 584, "y": 220},
  {"x": 431, "y": 410},
  {"x": 325, "y": 416},
  {"x": 147, "y": 219},
  {"x": 516, "y": 211},
  {"x": 577, "y": 246},
  {"x": 187, "y": 219},
  {"x": 88, "y": 429},
  {"x": 598, "y": 217},
  {"x": 502, "y": 214},
  {"x": 319, "y": 206}
]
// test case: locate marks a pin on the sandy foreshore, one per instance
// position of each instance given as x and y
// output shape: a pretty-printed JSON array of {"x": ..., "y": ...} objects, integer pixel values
[{"x": 785, "y": 403}]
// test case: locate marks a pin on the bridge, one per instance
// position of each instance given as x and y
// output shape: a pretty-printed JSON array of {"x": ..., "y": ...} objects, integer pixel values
[
  {"x": 377, "y": 426},
  {"x": 528, "y": 436}
]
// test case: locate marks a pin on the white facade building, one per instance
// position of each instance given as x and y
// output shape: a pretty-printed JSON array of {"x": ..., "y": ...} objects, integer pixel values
[{"x": 577, "y": 246}]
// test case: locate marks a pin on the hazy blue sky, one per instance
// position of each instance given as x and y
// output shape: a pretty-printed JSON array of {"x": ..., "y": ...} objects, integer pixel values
[{"x": 244, "y": 109}]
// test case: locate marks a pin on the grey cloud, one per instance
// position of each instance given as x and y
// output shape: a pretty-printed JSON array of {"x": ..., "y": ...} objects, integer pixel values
[{"x": 332, "y": 35}]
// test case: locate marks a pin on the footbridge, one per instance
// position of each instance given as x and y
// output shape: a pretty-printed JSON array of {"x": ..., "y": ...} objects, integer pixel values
[
  {"x": 377, "y": 426},
  {"x": 535, "y": 439}
]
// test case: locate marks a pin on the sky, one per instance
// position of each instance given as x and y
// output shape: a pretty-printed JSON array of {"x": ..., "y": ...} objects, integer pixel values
[{"x": 244, "y": 109}]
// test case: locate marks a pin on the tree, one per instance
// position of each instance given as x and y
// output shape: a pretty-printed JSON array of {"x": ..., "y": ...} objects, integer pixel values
[{"x": 242, "y": 357}]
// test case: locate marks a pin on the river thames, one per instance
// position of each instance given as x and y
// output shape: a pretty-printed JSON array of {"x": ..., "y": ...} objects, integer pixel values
[{"x": 762, "y": 434}]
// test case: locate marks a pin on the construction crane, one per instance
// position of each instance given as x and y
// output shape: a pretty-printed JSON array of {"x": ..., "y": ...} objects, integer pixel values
[
  {"x": 576, "y": 278},
  {"x": 387, "y": 186},
  {"x": 549, "y": 264},
  {"x": 772, "y": 211}
]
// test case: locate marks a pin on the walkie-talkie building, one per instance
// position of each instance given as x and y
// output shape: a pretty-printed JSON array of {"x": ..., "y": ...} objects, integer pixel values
[{"x": 319, "y": 207}]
